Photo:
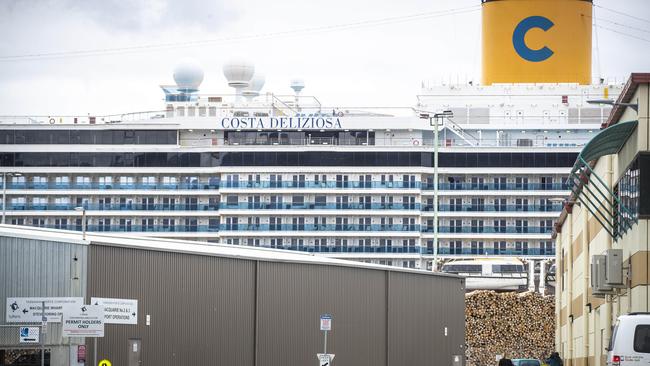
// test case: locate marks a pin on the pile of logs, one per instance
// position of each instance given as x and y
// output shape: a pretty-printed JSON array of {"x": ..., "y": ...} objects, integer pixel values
[{"x": 514, "y": 325}]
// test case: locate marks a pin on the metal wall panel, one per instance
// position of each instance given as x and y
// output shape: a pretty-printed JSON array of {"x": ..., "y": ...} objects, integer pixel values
[
  {"x": 419, "y": 310},
  {"x": 38, "y": 268},
  {"x": 293, "y": 296},
  {"x": 225, "y": 311},
  {"x": 201, "y": 307}
]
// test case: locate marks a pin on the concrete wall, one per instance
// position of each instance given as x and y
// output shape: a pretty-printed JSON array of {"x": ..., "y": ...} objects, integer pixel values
[{"x": 226, "y": 311}]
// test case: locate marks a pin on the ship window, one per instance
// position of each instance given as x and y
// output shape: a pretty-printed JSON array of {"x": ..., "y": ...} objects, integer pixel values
[
  {"x": 507, "y": 268},
  {"x": 462, "y": 268}
]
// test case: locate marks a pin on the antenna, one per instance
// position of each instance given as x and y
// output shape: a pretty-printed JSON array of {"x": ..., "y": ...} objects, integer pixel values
[{"x": 297, "y": 85}]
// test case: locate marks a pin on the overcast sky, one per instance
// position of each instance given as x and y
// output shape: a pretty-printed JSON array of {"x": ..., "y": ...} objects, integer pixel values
[{"x": 369, "y": 64}]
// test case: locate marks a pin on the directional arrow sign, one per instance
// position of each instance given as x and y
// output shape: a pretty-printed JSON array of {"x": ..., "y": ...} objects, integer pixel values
[
  {"x": 118, "y": 311},
  {"x": 325, "y": 359},
  {"x": 28, "y": 309}
]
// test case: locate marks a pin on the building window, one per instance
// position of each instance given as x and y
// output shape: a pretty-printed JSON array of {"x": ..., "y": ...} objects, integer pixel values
[
  {"x": 60, "y": 223},
  {"x": 149, "y": 181},
  {"x": 39, "y": 202},
  {"x": 39, "y": 182},
  {"x": 38, "y": 222},
  {"x": 62, "y": 181},
  {"x": 126, "y": 181},
  {"x": 628, "y": 191},
  {"x": 18, "y": 181},
  {"x": 105, "y": 182},
  {"x": 169, "y": 181},
  {"x": 83, "y": 181},
  {"x": 62, "y": 203}
]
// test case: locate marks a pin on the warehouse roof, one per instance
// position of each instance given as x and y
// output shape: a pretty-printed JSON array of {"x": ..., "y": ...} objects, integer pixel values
[{"x": 193, "y": 247}]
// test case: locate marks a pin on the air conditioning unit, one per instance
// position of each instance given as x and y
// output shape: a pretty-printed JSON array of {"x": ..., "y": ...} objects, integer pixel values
[
  {"x": 598, "y": 271},
  {"x": 614, "y": 268}
]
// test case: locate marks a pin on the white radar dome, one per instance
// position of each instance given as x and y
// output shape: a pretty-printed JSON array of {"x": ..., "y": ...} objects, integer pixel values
[
  {"x": 238, "y": 73},
  {"x": 255, "y": 86},
  {"x": 297, "y": 85},
  {"x": 188, "y": 75}
]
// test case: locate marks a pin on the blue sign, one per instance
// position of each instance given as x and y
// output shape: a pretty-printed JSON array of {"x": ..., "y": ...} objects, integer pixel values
[
  {"x": 326, "y": 322},
  {"x": 24, "y": 332},
  {"x": 519, "y": 35}
]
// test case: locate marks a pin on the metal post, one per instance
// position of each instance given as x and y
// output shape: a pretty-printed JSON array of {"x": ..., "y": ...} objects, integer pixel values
[
  {"x": 542, "y": 277},
  {"x": 325, "y": 344},
  {"x": 40, "y": 336},
  {"x": 434, "y": 265},
  {"x": 83, "y": 220},
  {"x": 4, "y": 196},
  {"x": 95, "y": 351}
]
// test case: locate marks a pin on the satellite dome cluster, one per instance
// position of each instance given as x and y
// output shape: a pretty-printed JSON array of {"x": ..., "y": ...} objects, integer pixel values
[{"x": 240, "y": 73}]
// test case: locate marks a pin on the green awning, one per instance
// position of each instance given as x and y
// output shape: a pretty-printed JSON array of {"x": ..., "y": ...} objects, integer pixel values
[
  {"x": 590, "y": 189},
  {"x": 608, "y": 141}
]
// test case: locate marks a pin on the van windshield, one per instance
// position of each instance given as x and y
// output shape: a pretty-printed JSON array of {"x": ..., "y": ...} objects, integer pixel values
[{"x": 642, "y": 338}]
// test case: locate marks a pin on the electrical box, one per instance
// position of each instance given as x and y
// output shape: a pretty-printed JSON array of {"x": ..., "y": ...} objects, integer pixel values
[{"x": 614, "y": 268}]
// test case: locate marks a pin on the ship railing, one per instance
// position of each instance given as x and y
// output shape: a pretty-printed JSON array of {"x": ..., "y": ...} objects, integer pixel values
[
  {"x": 81, "y": 119},
  {"x": 382, "y": 141}
]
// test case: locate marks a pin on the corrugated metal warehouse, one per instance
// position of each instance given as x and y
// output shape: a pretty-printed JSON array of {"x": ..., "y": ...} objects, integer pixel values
[{"x": 230, "y": 305}]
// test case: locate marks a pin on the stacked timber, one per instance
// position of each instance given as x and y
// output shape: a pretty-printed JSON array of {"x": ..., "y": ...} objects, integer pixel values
[{"x": 514, "y": 325}]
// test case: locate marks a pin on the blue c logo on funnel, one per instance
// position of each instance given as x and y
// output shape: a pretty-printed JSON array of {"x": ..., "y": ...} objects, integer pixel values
[{"x": 520, "y": 33}]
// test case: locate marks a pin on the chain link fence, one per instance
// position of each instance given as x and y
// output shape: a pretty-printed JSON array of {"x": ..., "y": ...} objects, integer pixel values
[
  {"x": 10, "y": 336},
  {"x": 13, "y": 351}
]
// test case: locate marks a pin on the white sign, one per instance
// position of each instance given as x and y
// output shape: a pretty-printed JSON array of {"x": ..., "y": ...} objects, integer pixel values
[
  {"x": 83, "y": 321},
  {"x": 29, "y": 335},
  {"x": 28, "y": 309},
  {"x": 325, "y": 322},
  {"x": 324, "y": 359},
  {"x": 118, "y": 311}
]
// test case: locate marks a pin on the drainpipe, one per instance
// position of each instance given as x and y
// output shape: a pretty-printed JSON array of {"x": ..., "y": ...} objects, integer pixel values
[
  {"x": 569, "y": 282},
  {"x": 559, "y": 273},
  {"x": 608, "y": 304},
  {"x": 585, "y": 280}
]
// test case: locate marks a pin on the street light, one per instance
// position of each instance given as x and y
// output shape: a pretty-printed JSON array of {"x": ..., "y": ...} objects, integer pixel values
[
  {"x": 4, "y": 191},
  {"x": 83, "y": 220},
  {"x": 634, "y": 106},
  {"x": 434, "y": 121}
]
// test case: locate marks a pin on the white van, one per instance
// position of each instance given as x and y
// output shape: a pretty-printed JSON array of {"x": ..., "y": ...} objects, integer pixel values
[{"x": 630, "y": 344}]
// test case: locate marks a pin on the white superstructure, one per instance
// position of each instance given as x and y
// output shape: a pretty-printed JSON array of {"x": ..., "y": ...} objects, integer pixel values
[{"x": 287, "y": 172}]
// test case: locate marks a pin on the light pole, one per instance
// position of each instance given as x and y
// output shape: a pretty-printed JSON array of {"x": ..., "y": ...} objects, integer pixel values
[
  {"x": 83, "y": 220},
  {"x": 435, "y": 123},
  {"x": 4, "y": 191}
]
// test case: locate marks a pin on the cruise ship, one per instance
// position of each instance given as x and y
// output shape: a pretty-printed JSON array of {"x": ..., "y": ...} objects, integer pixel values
[{"x": 284, "y": 171}]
